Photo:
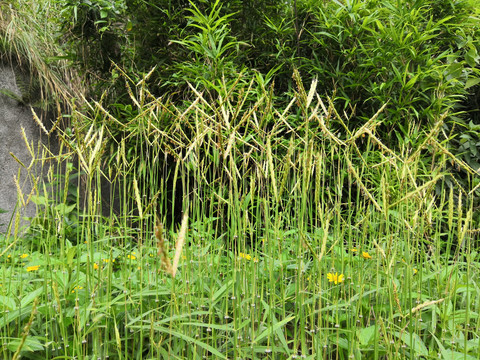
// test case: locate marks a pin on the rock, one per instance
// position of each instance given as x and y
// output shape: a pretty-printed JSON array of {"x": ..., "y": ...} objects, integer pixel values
[{"x": 15, "y": 115}]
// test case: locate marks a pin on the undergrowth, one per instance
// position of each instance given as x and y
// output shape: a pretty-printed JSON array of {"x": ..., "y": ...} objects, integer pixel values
[{"x": 298, "y": 241}]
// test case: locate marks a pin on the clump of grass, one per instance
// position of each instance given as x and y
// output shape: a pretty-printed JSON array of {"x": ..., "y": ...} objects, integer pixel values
[
  {"x": 300, "y": 241},
  {"x": 28, "y": 41}
]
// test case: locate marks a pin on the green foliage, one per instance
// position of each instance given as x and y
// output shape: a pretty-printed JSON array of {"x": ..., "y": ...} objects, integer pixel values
[
  {"x": 280, "y": 260},
  {"x": 28, "y": 42},
  {"x": 212, "y": 49},
  {"x": 418, "y": 57},
  {"x": 319, "y": 226},
  {"x": 93, "y": 31}
]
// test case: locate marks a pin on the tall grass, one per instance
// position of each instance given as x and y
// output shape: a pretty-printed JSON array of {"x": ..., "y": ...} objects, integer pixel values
[
  {"x": 299, "y": 241},
  {"x": 28, "y": 40}
]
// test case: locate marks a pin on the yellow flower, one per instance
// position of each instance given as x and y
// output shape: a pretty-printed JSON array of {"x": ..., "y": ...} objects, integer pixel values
[
  {"x": 335, "y": 278},
  {"x": 366, "y": 255},
  {"x": 245, "y": 256},
  {"x": 132, "y": 257},
  {"x": 414, "y": 271},
  {"x": 77, "y": 288},
  {"x": 23, "y": 256},
  {"x": 354, "y": 249},
  {"x": 95, "y": 266},
  {"x": 33, "y": 268}
]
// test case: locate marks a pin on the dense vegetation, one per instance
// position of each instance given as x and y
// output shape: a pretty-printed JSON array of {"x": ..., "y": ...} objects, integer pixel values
[{"x": 247, "y": 179}]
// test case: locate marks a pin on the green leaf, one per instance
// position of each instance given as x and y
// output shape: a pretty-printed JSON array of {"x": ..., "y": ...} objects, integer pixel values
[
  {"x": 471, "y": 57},
  {"x": 71, "y": 255},
  {"x": 341, "y": 342},
  {"x": 65, "y": 209},
  {"x": 39, "y": 200},
  {"x": 471, "y": 82},
  {"x": 412, "y": 339},
  {"x": 12, "y": 315},
  {"x": 7, "y": 302},
  {"x": 455, "y": 355},
  {"x": 221, "y": 291},
  {"x": 366, "y": 335},
  {"x": 226, "y": 327},
  {"x": 272, "y": 329},
  {"x": 454, "y": 71},
  {"x": 28, "y": 299},
  {"x": 278, "y": 332},
  {"x": 31, "y": 344},
  {"x": 411, "y": 82},
  {"x": 189, "y": 339}
]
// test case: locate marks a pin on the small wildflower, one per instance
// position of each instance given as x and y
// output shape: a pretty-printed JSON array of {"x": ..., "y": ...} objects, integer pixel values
[
  {"x": 33, "y": 268},
  {"x": 95, "y": 266},
  {"x": 107, "y": 260},
  {"x": 23, "y": 256},
  {"x": 77, "y": 288},
  {"x": 245, "y": 256},
  {"x": 335, "y": 278},
  {"x": 248, "y": 257},
  {"x": 131, "y": 257},
  {"x": 366, "y": 255},
  {"x": 354, "y": 249},
  {"x": 415, "y": 271}
]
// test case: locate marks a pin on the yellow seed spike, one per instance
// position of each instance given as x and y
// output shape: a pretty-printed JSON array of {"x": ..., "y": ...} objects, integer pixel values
[
  {"x": 137, "y": 197},
  {"x": 162, "y": 251},
  {"x": 38, "y": 121},
  {"x": 426, "y": 304},
  {"x": 17, "y": 160},
  {"x": 180, "y": 242},
  {"x": 19, "y": 191}
]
